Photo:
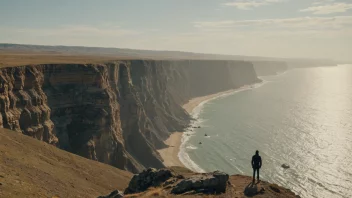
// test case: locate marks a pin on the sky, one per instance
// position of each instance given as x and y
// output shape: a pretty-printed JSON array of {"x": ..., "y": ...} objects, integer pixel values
[{"x": 272, "y": 28}]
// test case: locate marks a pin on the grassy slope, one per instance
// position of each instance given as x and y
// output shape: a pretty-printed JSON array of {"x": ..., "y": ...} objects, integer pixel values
[{"x": 31, "y": 168}]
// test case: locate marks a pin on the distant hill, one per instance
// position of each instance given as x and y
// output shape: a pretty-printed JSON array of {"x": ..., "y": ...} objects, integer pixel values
[{"x": 145, "y": 54}]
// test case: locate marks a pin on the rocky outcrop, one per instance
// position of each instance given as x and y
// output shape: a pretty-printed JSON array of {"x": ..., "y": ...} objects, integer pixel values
[
  {"x": 148, "y": 178},
  {"x": 119, "y": 112},
  {"x": 23, "y": 103},
  {"x": 178, "y": 181},
  {"x": 210, "y": 183},
  {"x": 267, "y": 68}
]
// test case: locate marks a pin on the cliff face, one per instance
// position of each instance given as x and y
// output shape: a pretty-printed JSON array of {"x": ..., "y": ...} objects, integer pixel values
[
  {"x": 267, "y": 68},
  {"x": 118, "y": 113}
]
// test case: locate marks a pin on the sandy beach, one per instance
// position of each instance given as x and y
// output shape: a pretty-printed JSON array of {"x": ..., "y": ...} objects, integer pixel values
[{"x": 170, "y": 154}]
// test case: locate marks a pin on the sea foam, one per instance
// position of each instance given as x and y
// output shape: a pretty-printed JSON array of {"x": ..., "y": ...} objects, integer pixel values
[{"x": 183, "y": 155}]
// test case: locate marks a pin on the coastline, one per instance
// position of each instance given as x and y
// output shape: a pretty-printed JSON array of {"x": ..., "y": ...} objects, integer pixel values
[{"x": 170, "y": 155}]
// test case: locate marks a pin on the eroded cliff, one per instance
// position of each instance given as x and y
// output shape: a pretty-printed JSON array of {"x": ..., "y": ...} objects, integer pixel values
[{"x": 119, "y": 112}]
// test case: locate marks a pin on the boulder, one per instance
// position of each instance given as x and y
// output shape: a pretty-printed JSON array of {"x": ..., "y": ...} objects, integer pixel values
[
  {"x": 148, "y": 178},
  {"x": 113, "y": 194},
  {"x": 215, "y": 182}
]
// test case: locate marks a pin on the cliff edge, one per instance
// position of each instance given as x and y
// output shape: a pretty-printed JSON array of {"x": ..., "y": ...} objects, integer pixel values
[{"x": 178, "y": 181}]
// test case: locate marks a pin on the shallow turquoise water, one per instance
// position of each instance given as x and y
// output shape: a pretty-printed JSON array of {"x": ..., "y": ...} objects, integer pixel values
[{"x": 302, "y": 118}]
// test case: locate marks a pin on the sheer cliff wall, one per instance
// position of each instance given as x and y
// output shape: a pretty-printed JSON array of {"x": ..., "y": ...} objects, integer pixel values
[
  {"x": 119, "y": 112},
  {"x": 267, "y": 68}
]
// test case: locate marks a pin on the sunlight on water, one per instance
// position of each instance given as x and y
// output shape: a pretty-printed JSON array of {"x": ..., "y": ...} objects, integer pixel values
[{"x": 302, "y": 118}]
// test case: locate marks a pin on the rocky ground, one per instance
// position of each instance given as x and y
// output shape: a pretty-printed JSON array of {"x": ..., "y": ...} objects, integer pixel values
[{"x": 178, "y": 181}]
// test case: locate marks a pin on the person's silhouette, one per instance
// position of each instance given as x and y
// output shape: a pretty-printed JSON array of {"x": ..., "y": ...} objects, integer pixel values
[{"x": 256, "y": 164}]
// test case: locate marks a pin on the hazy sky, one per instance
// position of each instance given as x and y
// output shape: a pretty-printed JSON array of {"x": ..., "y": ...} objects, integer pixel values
[{"x": 280, "y": 28}]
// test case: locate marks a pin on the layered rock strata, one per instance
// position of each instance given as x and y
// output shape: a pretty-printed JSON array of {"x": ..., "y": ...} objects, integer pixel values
[{"x": 119, "y": 112}]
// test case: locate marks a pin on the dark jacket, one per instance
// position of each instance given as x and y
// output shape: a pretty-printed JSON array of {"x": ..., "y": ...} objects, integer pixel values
[{"x": 256, "y": 161}]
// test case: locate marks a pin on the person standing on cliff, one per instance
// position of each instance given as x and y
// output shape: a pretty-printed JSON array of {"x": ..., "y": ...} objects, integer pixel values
[{"x": 256, "y": 164}]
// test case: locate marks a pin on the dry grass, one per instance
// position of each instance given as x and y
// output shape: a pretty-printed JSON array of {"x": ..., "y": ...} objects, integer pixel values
[
  {"x": 11, "y": 59},
  {"x": 31, "y": 168}
]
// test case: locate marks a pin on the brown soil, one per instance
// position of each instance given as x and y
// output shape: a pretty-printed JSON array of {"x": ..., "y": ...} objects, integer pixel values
[{"x": 32, "y": 168}]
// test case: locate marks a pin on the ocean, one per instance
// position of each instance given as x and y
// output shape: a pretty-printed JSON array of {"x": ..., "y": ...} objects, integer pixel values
[{"x": 302, "y": 118}]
